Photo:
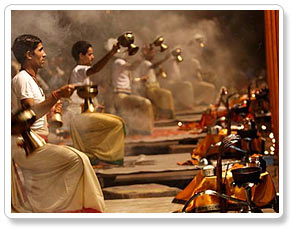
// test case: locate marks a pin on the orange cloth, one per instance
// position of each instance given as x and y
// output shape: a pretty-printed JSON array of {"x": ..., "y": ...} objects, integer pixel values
[
  {"x": 202, "y": 148},
  {"x": 210, "y": 116},
  {"x": 204, "y": 145},
  {"x": 262, "y": 193},
  {"x": 210, "y": 139}
]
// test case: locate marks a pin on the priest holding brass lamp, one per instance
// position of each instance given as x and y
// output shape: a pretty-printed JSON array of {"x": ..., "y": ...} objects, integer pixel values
[
  {"x": 45, "y": 178},
  {"x": 99, "y": 135},
  {"x": 180, "y": 88},
  {"x": 161, "y": 98},
  {"x": 134, "y": 109}
]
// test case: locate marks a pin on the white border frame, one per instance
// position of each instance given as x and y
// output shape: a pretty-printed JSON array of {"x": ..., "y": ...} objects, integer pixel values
[{"x": 7, "y": 126}]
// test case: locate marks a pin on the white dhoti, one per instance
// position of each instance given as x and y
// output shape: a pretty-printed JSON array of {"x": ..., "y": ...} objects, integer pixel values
[
  {"x": 137, "y": 112},
  {"x": 162, "y": 101},
  {"x": 54, "y": 179},
  {"x": 182, "y": 92},
  {"x": 204, "y": 92}
]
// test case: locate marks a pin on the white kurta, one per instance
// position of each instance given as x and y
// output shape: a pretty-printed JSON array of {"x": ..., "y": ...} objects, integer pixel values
[
  {"x": 24, "y": 87},
  {"x": 121, "y": 75},
  {"x": 79, "y": 77},
  {"x": 135, "y": 110}
]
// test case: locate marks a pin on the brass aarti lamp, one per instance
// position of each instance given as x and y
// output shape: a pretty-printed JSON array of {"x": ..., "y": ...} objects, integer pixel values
[
  {"x": 87, "y": 92},
  {"x": 127, "y": 40},
  {"x": 177, "y": 54},
  {"x": 20, "y": 124},
  {"x": 159, "y": 43}
]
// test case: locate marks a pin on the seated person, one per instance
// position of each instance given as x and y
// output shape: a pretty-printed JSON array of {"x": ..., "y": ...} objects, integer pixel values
[
  {"x": 161, "y": 98},
  {"x": 99, "y": 135},
  {"x": 136, "y": 110},
  {"x": 204, "y": 92},
  {"x": 180, "y": 88},
  {"x": 53, "y": 178}
]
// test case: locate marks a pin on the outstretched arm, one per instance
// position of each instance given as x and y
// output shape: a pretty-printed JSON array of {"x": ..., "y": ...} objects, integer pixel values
[
  {"x": 42, "y": 108},
  {"x": 102, "y": 62},
  {"x": 155, "y": 65}
]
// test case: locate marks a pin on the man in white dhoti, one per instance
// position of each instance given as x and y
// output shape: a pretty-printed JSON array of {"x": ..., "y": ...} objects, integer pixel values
[
  {"x": 182, "y": 90},
  {"x": 53, "y": 178},
  {"x": 161, "y": 98},
  {"x": 137, "y": 111}
]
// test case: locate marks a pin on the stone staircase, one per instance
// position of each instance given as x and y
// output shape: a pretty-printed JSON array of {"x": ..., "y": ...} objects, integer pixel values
[{"x": 150, "y": 177}]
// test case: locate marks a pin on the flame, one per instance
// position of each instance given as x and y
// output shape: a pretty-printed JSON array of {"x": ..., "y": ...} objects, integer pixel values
[
  {"x": 266, "y": 152},
  {"x": 163, "y": 74},
  {"x": 179, "y": 58}
]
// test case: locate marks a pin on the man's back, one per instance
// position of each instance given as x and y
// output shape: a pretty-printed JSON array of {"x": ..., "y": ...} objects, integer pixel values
[{"x": 120, "y": 75}]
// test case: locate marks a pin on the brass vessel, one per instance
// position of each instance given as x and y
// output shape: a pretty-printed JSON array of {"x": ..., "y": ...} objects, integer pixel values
[
  {"x": 56, "y": 119},
  {"x": 20, "y": 124},
  {"x": 127, "y": 40},
  {"x": 32, "y": 141},
  {"x": 159, "y": 43},
  {"x": 87, "y": 92},
  {"x": 162, "y": 73},
  {"x": 177, "y": 54}
]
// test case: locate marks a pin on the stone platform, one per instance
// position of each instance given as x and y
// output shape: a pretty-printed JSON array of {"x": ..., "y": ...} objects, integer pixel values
[
  {"x": 139, "y": 191},
  {"x": 142, "y": 205},
  {"x": 148, "y": 169}
]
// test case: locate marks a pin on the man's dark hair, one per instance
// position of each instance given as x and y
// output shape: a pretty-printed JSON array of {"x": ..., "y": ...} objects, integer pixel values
[
  {"x": 24, "y": 43},
  {"x": 80, "y": 47}
]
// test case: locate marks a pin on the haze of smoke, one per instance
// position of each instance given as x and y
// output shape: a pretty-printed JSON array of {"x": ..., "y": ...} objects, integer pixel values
[
  {"x": 59, "y": 30},
  {"x": 44, "y": 24}
]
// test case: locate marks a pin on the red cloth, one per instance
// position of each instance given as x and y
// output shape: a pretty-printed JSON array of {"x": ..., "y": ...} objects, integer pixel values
[{"x": 83, "y": 210}]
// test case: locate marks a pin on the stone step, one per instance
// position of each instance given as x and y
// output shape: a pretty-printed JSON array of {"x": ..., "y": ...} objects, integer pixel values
[
  {"x": 139, "y": 191},
  {"x": 184, "y": 148},
  {"x": 179, "y": 118},
  {"x": 165, "y": 122},
  {"x": 199, "y": 109},
  {"x": 142, "y": 205},
  {"x": 142, "y": 169},
  {"x": 160, "y": 148},
  {"x": 153, "y": 205}
]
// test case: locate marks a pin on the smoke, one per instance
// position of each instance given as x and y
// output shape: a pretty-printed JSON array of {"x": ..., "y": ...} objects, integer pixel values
[
  {"x": 187, "y": 30},
  {"x": 44, "y": 24}
]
